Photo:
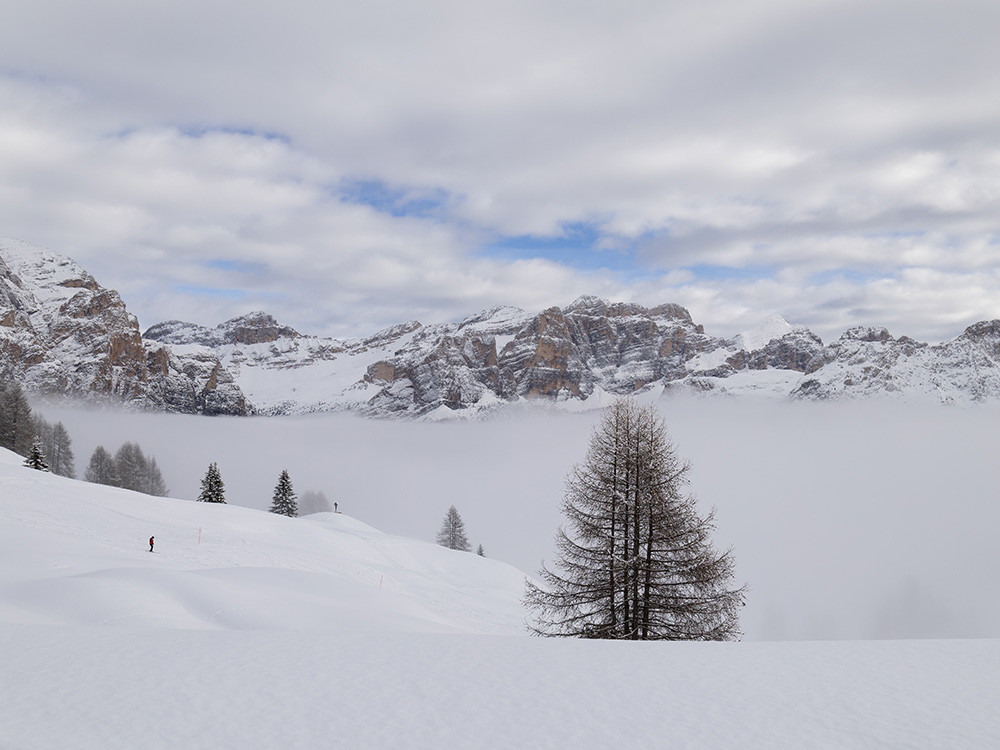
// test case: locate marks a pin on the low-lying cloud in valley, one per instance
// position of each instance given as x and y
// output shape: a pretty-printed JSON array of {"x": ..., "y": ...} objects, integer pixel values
[{"x": 859, "y": 520}]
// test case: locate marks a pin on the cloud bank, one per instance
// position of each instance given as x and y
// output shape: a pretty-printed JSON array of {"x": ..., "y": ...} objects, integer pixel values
[
  {"x": 350, "y": 167},
  {"x": 847, "y": 521}
]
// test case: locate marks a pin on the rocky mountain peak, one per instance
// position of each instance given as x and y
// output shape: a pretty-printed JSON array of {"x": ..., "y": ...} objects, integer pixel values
[
  {"x": 868, "y": 334},
  {"x": 254, "y": 328},
  {"x": 62, "y": 333},
  {"x": 497, "y": 320}
]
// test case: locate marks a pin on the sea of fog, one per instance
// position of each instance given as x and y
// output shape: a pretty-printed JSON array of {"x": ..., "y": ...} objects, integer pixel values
[{"x": 847, "y": 520}]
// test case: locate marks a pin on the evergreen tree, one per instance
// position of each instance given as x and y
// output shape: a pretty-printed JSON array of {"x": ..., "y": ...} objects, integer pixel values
[
  {"x": 283, "y": 501},
  {"x": 212, "y": 488},
  {"x": 635, "y": 561},
  {"x": 152, "y": 481},
  {"x": 132, "y": 467},
  {"x": 452, "y": 533},
  {"x": 101, "y": 469},
  {"x": 44, "y": 434},
  {"x": 481, "y": 552},
  {"x": 17, "y": 429},
  {"x": 36, "y": 458},
  {"x": 60, "y": 452}
]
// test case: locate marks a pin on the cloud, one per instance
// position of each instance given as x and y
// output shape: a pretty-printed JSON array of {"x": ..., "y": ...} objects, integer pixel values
[
  {"x": 376, "y": 158},
  {"x": 840, "y": 518}
]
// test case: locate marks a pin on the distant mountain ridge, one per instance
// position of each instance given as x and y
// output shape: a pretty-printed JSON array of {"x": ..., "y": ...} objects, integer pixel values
[{"x": 62, "y": 333}]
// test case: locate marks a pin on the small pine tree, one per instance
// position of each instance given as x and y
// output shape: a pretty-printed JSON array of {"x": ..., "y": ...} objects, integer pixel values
[
  {"x": 283, "y": 501},
  {"x": 212, "y": 488},
  {"x": 481, "y": 552},
  {"x": 452, "y": 533},
  {"x": 36, "y": 458}
]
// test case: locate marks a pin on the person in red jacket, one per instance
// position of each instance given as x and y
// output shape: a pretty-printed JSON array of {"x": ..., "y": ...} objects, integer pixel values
[{"x": 150, "y": 544}]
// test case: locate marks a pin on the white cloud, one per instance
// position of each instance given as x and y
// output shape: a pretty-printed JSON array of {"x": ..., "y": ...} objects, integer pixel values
[{"x": 830, "y": 138}]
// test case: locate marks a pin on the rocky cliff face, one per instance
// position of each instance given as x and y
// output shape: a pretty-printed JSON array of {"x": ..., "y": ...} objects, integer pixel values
[
  {"x": 62, "y": 333},
  {"x": 869, "y": 362},
  {"x": 590, "y": 348}
]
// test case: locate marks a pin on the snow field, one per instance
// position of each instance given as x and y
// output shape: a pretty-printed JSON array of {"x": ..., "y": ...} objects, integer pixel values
[
  {"x": 156, "y": 688},
  {"x": 322, "y": 632},
  {"x": 77, "y": 553}
]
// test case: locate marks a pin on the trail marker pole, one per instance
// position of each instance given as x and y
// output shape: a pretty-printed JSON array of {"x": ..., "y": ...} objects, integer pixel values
[{"x": 199, "y": 535}]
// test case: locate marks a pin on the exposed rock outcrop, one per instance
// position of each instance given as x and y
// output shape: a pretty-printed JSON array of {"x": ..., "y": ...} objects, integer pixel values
[{"x": 63, "y": 334}]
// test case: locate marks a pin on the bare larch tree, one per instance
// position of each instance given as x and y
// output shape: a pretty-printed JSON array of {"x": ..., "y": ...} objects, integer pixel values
[{"x": 634, "y": 560}]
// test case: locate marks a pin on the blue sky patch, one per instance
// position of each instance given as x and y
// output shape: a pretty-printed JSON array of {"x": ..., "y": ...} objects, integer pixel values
[
  {"x": 578, "y": 246},
  {"x": 210, "y": 291},
  {"x": 237, "y": 266},
  {"x": 395, "y": 201},
  {"x": 198, "y": 131},
  {"x": 710, "y": 272}
]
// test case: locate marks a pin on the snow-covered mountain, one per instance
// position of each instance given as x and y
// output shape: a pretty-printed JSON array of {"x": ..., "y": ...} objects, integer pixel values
[
  {"x": 60, "y": 332},
  {"x": 589, "y": 349}
]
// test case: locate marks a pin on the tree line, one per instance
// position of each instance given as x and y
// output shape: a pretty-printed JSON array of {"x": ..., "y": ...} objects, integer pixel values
[
  {"x": 128, "y": 468},
  {"x": 31, "y": 435}
]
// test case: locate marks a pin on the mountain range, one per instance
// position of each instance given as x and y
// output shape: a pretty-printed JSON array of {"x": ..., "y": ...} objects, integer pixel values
[{"x": 63, "y": 334}]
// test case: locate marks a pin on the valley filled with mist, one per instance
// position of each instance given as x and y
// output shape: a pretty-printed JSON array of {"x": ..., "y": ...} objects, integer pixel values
[{"x": 857, "y": 520}]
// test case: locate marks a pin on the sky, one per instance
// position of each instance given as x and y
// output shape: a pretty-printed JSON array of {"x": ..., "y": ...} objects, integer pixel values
[{"x": 347, "y": 166}]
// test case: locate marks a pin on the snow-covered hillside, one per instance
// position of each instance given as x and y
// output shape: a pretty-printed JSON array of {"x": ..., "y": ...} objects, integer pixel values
[
  {"x": 77, "y": 553},
  {"x": 323, "y": 632}
]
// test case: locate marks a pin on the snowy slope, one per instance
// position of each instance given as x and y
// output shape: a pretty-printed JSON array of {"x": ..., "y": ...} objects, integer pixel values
[
  {"x": 274, "y": 632},
  {"x": 771, "y": 328},
  {"x": 76, "y": 553}
]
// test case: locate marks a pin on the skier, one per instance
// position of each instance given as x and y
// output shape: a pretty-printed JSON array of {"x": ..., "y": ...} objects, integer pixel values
[
  {"x": 335, "y": 507},
  {"x": 150, "y": 544}
]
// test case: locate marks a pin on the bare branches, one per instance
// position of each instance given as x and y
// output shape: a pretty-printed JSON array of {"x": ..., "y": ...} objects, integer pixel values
[{"x": 634, "y": 560}]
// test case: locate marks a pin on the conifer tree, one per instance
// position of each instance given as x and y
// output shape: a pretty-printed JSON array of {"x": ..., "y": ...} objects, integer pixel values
[
  {"x": 452, "y": 533},
  {"x": 635, "y": 560},
  {"x": 481, "y": 552},
  {"x": 152, "y": 480},
  {"x": 36, "y": 458},
  {"x": 212, "y": 488},
  {"x": 131, "y": 465},
  {"x": 17, "y": 428},
  {"x": 283, "y": 501},
  {"x": 101, "y": 469},
  {"x": 60, "y": 453}
]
